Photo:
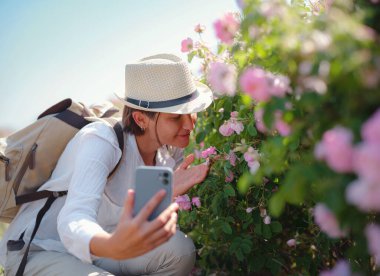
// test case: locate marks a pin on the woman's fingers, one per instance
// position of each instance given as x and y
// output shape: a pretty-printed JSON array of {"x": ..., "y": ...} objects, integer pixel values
[
  {"x": 164, "y": 233},
  {"x": 128, "y": 205},
  {"x": 187, "y": 162},
  {"x": 163, "y": 218},
  {"x": 150, "y": 206}
]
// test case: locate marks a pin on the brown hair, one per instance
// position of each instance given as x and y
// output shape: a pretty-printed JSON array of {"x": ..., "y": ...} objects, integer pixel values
[{"x": 129, "y": 124}]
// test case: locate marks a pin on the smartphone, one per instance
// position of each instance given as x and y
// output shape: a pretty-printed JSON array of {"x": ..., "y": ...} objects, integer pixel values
[{"x": 149, "y": 180}]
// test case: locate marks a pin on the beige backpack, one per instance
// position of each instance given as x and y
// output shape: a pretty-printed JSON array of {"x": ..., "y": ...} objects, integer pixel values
[{"x": 29, "y": 156}]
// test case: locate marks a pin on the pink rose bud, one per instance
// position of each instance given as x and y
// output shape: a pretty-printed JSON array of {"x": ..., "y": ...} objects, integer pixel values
[
  {"x": 291, "y": 242},
  {"x": 196, "y": 201}
]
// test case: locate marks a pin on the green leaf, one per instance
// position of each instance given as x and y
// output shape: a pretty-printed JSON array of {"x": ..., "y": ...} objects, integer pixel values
[
  {"x": 258, "y": 229},
  {"x": 200, "y": 136},
  {"x": 267, "y": 233},
  {"x": 252, "y": 130},
  {"x": 229, "y": 190},
  {"x": 226, "y": 228},
  {"x": 276, "y": 227},
  {"x": 191, "y": 56},
  {"x": 276, "y": 204},
  {"x": 244, "y": 182}
]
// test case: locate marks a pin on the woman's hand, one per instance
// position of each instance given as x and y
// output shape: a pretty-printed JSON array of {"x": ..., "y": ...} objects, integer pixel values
[
  {"x": 135, "y": 236},
  {"x": 185, "y": 177}
]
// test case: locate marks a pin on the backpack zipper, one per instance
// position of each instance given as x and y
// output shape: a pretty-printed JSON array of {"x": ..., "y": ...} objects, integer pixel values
[
  {"x": 6, "y": 162},
  {"x": 28, "y": 162}
]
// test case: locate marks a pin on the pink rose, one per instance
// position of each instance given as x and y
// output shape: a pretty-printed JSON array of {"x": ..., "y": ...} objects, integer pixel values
[
  {"x": 366, "y": 161},
  {"x": 237, "y": 126},
  {"x": 231, "y": 157},
  {"x": 226, "y": 129},
  {"x": 207, "y": 152},
  {"x": 283, "y": 128},
  {"x": 279, "y": 85},
  {"x": 254, "y": 82},
  {"x": 222, "y": 78},
  {"x": 371, "y": 128},
  {"x": 291, "y": 243},
  {"x": 327, "y": 221},
  {"x": 372, "y": 232},
  {"x": 226, "y": 28},
  {"x": 252, "y": 156},
  {"x": 267, "y": 220},
  {"x": 199, "y": 28},
  {"x": 259, "y": 113},
  {"x": 336, "y": 149},
  {"x": 364, "y": 195},
  {"x": 196, "y": 201},
  {"x": 186, "y": 45},
  {"x": 183, "y": 202},
  {"x": 341, "y": 268}
]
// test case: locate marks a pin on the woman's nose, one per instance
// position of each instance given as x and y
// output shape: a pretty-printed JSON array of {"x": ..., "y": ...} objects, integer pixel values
[{"x": 189, "y": 121}]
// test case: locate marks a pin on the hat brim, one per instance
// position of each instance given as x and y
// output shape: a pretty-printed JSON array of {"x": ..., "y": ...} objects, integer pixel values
[{"x": 200, "y": 103}]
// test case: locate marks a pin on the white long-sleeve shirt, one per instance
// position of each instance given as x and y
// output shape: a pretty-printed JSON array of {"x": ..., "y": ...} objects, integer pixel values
[{"x": 94, "y": 203}]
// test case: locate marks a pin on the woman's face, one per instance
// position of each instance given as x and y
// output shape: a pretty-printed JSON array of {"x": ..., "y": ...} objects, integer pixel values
[{"x": 173, "y": 129}]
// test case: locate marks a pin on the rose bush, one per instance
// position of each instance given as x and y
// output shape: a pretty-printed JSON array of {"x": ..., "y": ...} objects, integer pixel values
[{"x": 293, "y": 138}]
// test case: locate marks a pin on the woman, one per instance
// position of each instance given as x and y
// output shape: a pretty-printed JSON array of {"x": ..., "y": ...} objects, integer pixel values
[{"x": 92, "y": 230}]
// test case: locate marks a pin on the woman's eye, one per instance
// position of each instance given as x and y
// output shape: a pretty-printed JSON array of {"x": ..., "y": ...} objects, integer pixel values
[{"x": 176, "y": 117}]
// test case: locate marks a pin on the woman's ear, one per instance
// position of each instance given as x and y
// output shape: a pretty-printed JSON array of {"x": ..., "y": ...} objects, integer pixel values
[{"x": 141, "y": 119}]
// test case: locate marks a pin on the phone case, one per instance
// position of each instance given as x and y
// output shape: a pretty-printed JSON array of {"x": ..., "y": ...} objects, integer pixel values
[{"x": 149, "y": 180}]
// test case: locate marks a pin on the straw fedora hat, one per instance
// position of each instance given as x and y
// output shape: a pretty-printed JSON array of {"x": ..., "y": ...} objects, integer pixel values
[{"x": 163, "y": 83}]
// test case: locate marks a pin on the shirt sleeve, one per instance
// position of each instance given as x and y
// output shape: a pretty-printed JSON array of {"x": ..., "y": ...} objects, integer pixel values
[{"x": 97, "y": 153}]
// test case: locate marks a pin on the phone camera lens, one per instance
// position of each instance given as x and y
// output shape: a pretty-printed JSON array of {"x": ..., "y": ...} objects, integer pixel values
[
  {"x": 166, "y": 174},
  {"x": 165, "y": 181}
]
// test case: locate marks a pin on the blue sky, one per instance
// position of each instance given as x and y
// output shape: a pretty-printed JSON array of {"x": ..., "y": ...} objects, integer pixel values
[{"x": 51, "y": 50}]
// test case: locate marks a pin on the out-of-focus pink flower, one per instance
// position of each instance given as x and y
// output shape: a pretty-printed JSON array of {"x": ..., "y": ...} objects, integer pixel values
[
  {"x": 366, "y": 161},
  {"x": 371, "y": 128},
  {"x": 183, "y": 202},
  {"x": 207, "y": 152},
  {"x": 196, "y": 201},
  {"x": 231, "y": 156},
  {"x": 199, "y": 28},
  {"x": 267, "y": 220},
  {"x": 279, "y": 85},
  {"x": 336, "y": 148},
  {"x": 259, "y": 114},
  {"x": 186, "y": 45},
  {"x": 249, "y": 210},
  {"x": 364, "y": 195},
  {"x": 234, "y": 114},
  {"x": 229, "y": 177},
  {"x": 226, "y": 28},
  {"x": 372, "y": 232},
  {"x": 341, "y": 268},
  {"x": 291, "y": 242},
  {"x": 252, "y": 156},
  {"x": 327, "y": 221},
  {"x": 254, "y": 82},
  {"x": 222, "y": 78},
  {"x": 283, "y": 128}
]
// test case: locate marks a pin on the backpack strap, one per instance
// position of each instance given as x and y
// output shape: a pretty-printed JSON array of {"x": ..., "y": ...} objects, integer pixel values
[
  {"x": 40, "y": 215},
  {"x": 52, "y": 196}
]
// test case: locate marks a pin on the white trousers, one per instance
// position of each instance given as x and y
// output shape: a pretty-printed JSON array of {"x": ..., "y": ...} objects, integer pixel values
[{"x": 175, "y": 257}]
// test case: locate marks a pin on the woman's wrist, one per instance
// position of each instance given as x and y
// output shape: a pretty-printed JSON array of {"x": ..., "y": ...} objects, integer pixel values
[{"x": 101, "y": 245}]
